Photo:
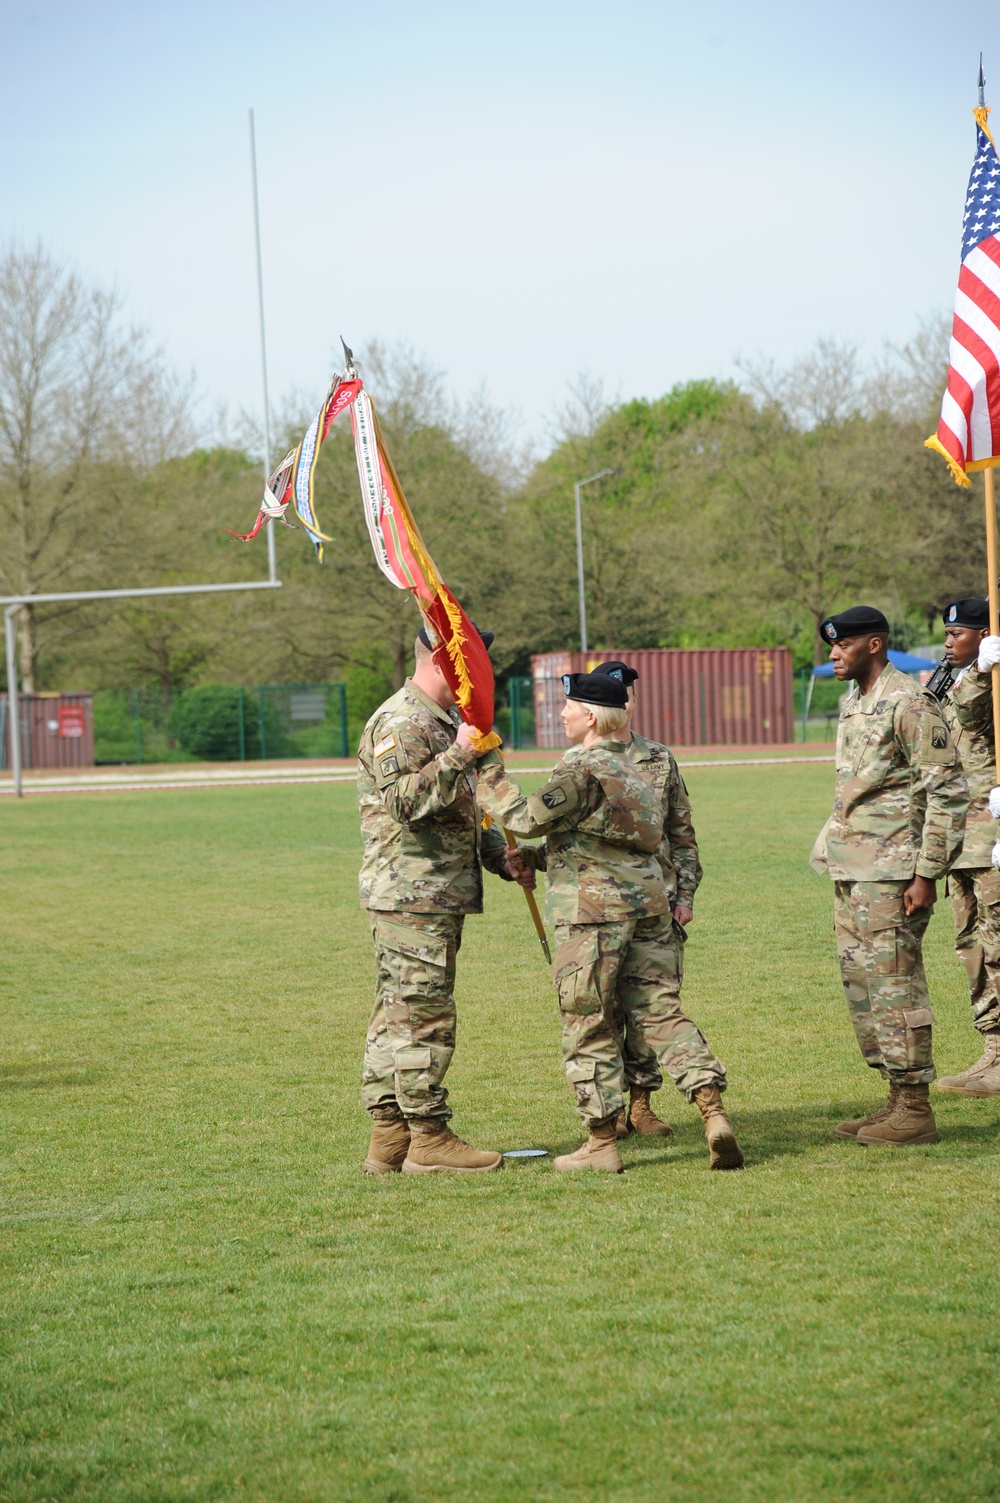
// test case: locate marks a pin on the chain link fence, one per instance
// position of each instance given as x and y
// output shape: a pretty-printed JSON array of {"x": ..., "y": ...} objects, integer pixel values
[{"x": 220, "y": 723}]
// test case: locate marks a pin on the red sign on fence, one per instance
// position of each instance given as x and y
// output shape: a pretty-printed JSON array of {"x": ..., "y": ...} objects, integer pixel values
[{"x": 72, "y": 721}]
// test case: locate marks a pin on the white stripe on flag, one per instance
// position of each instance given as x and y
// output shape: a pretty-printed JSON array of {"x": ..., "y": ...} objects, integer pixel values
[
  {"x": 979, "y": 321},
  {"x": 953, "y": 417},
  {"x": 968, "y": 367}
]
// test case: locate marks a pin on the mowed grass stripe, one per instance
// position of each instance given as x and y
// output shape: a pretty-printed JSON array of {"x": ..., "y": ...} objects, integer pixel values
[{"x": 203, "y": 1298}]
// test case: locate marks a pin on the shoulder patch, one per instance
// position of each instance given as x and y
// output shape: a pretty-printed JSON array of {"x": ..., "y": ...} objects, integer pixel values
[
  {"x": 553, "y": 797},
  {"x": 939, "y": 738},
  {"x": 386, "y": 744}
]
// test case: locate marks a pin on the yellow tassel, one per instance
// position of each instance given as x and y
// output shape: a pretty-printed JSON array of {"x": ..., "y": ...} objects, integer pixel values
[
  {"x": 957, "y": 473},
  {"x": 983, "y": 464},
  {"x": 981, "y": 114},
  {"x": 482, "y": 744},
  {"x": 463, "y": 693},
  {"x": 487, "y": 821}
]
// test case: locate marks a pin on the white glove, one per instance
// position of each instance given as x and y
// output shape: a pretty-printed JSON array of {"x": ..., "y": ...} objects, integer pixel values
[
  {"x": 995, "y": 858},
  {"x": 995, "y": 802},
  {"x": 989, "y": 653}
]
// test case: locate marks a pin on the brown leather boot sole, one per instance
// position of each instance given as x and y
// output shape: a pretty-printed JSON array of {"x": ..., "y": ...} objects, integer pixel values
[
  {"x": 377, "y": 1166},
  {"x": 409, "y": 1167},
  {"x": 914, "y": 1142},
  {"x": 725, "y": 1152}
]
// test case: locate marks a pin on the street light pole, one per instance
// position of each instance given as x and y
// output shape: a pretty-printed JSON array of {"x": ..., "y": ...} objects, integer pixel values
[{"x": 577, "y": 488}]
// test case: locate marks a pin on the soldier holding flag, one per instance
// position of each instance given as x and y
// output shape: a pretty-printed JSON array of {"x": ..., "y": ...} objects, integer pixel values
[{"x": 964, "y": 688}]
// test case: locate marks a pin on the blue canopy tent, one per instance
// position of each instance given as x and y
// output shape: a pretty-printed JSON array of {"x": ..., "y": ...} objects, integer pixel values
[{"x": 904, "y": 661}]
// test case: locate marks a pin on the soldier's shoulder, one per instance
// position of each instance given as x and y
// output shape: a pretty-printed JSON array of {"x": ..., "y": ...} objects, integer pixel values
[
  {"x": 657, "y": 752},
  {"x": 391, "y": 710}
]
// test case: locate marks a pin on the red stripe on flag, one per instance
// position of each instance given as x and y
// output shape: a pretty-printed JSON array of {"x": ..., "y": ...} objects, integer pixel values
[
  {"x": 980, "y": 350},
  {"x": 991, "y": 248}
]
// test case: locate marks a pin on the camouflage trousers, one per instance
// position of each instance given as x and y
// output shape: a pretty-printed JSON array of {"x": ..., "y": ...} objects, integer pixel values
[
  {"x": 975, "y": 898},
  {"x": 642, "y": 1068},
  {"x": 626, "y": 971},
  {"x": 411, "y": 1035},
  {"x": 883, "y": 972}
]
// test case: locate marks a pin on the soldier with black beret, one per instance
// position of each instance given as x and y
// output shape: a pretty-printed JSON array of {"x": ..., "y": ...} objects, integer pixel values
[
  {"x": 966, "y": 699},
  {"x": 646, "y": 1027},
  {"x": 897, "y": 824},
  {"x": 610, "y": 908}
]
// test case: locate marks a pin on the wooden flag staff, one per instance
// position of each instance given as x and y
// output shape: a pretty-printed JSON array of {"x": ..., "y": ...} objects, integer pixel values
[
  {"x": 994, "y": 599},
  {"x": 532, "y": 901}
]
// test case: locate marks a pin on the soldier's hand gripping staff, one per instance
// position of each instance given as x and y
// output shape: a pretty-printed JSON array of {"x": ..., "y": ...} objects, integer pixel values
[
  {"x": 897, "y": 824},
  {"x": 421, "y": 874},
  {"x": 610, "y": 908},
  {"x": 966, "y": 696}
]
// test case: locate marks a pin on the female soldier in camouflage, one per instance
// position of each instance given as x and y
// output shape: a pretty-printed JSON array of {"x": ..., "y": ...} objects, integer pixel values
[{"x": 607, "y": 900}]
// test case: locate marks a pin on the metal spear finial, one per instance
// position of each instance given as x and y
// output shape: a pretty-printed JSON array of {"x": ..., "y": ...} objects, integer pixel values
[
  {"x": 349, "y": 353},
  {"x": 982, "y": 84}
]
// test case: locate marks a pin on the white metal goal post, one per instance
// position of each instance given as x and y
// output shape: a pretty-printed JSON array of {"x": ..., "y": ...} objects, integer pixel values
[{"x": 13, "y": 604}]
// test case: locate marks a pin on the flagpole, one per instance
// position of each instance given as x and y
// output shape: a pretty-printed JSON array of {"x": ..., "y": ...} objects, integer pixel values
[
  {"x": 532, "y": 902},
  {"x": 994, "y": 598},
  {"x": 272, "y": 557}
]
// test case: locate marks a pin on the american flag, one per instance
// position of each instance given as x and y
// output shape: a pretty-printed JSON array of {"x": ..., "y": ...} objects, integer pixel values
[{"x": 968, "y": 434}]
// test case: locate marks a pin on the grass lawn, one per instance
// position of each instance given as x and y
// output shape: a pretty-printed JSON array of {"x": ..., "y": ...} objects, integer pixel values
[{"x": 202, "y": 1297}]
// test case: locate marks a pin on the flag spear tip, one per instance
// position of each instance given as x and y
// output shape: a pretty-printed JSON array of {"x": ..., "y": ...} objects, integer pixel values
[
  {"x": 982, "y": 84},
  {"x": 348, "y": 355}
]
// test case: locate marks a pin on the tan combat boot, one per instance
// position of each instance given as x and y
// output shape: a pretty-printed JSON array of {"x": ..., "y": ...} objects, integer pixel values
[
  {"x": 390, "y": 1141},
  {"x": 599, "y": 1152},
  {"x": 852, "y": 1128},
  {"x": 911, "y": 1121},
  {"x": 982, "y": 1078},
  {"x": 623, "y": 1127},
  {"x": 434, "y": 1149},
  {"x": 723, "y": 1149},
  {"x": 641, "y": 1117}
]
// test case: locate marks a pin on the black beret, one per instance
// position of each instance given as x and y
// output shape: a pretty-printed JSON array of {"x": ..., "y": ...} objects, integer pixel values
[
  {"x": 487, "y": 637},
  {"x": 971, "y": 612},
  {"x": 857, "y": 622},
  {"x": 596, "y": 689},
  {"x": 619, "y": 670}
]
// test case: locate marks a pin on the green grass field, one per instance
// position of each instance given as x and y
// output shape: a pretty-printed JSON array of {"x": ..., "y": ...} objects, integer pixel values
[{"x": 203, "y": 1297}]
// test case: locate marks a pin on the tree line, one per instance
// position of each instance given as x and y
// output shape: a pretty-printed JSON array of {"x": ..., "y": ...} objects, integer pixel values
[{"x": 736, "y": 514}]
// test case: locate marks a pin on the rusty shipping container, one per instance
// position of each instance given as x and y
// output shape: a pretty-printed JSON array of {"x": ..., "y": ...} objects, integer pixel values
[
  {"x": 57, "y": 730},
  {"x": 703, "y": 696}
]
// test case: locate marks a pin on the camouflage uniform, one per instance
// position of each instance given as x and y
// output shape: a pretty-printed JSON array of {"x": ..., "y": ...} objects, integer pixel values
[
  {"x": 678, "y": 858},
  {"x": 610, "y": 909},
  {"x": 899, "y": 809},
  {"x": 973, "y": 882},
  {"x": 421, "y": 874}
]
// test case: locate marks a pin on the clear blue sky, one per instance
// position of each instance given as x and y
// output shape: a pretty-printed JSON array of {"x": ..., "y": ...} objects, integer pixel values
[{"x": 521, "y": 191}]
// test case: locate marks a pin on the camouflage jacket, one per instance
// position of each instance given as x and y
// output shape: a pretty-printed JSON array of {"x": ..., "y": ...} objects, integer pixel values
[
  {"x": 678, "y": 850},
  {"x": 602, "y": 823},
  {"x": 421, "y": 825},
  {"x": 901, "y": 796},
  {"x": 968, "y": 710}
]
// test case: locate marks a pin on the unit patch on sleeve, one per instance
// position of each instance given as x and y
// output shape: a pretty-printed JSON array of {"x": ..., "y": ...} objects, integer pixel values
[
  {"x": 386, "y": 744},
  {"x": 553, "y": 797}
]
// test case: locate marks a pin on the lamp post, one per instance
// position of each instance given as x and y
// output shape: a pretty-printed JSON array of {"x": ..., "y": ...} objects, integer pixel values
[{"x": 577, "y": 488}]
